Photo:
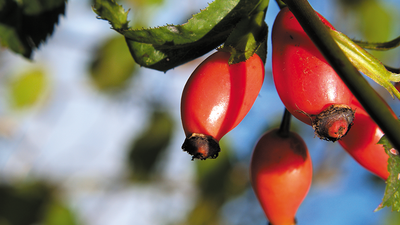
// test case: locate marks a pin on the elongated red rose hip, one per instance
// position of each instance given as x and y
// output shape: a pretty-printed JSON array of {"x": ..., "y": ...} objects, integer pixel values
[
  {"x": 307, "y": 85},
  {"x": 216, "y": 98}
]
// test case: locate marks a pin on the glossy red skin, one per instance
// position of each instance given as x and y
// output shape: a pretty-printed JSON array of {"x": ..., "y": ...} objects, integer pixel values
[
  {"x": 303, "y": 78},
  {"x": 361, "y": 143},
  {"x": 217, "y": 96},
  {"x": 281, "y": 174}
]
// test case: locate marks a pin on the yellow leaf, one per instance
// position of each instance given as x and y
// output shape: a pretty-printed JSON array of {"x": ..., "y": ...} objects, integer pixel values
[{"x": 27, "y": 88}]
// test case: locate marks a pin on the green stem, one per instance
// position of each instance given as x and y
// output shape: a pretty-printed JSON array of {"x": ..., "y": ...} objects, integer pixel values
[
  {"x": 261, "y": 7},
  {"x": 358, "y": 85},
  {"x": 381, "y": 46},
  {"x": 280, "y": 3},
  {"x": 393, "y": 70},
  {"x": 284, "y": 129},
  {"x": 367, "y": 63}
]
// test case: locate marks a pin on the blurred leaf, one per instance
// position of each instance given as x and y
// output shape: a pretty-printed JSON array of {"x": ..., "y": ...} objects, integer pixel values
[
  {"x": 25, "y": 24},
  {"x": 222, "y": 178},
  {"x": 166, "y": 47},
  {"x": 376, "y": 20},
  {"x": 148, "y": 147},
  {"x": 58, "y": 214},
  {"x": 392, "y": 218},
  {"x": 112, "y": 66},
  {"x": 373, "y": 19},
  {"x": 392, "y": 191},
  {"x": 23, "y": 205},
  {"x": 212, "y": 175},
  {"x": 143, "y": 3},
  {"x": 206, "y": 211},
  {"x": 27, "y": 88},
  {"x": 218, "y": 181}
]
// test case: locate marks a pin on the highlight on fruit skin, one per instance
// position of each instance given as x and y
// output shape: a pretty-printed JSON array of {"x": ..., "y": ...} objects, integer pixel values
[
  {"x": 281, "y": 175},
  {"x": 215, "y": 99}
]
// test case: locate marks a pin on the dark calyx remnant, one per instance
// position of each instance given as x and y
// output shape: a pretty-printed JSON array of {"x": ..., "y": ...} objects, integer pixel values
[
  {"x": 201, "y": 146},
  {"x": 334, "y": 122}
]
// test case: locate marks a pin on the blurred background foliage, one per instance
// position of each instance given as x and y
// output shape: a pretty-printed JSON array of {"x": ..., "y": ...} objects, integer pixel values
[
  {"x": 369, "y": 20},
  {"x": 376, "y": 28},
  {"x": 112, "y": 65},
  {"x": 150, "y": 146},
  {"x": 34, "y": 202},
  {"x": 27, "y": 88},
  {"x": 213, "y": 186}
]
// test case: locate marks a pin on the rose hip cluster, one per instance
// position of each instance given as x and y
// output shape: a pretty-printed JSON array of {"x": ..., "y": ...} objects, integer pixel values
[{"x": 217, "y": 96}]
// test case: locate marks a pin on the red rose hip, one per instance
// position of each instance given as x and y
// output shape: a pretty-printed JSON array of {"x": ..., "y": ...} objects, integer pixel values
[
  {"x": 216, "y": 98},
  {"x": 281, "y": 174},
  {"x": 307, "y": 85},
  {"x": 361, "y": 143}
]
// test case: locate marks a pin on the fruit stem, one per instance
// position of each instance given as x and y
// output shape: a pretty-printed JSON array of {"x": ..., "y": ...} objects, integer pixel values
[
  {"x": 393, "y": 70},
  {"x": 284, "y": 129},
  {"x": 357, "y": 84},
  {"x": 382, "y": 46}
]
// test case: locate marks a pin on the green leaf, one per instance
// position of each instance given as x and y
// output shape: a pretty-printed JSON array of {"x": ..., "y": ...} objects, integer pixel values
[
  {"x": 392, "y": 191},
  {"x": 25, "y": 24},
  {"x": 111, "y": 11},
  {"x": 166, "y": 47},
  {"x": 147, "y": 149},
  {"x": 247, "y": 37},
  {"x": 112, "y": 66},
  {"x": 27, "y": 88}
]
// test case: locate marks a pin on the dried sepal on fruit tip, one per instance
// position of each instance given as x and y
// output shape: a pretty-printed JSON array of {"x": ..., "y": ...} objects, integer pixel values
[
  {"x": 333, "y": 123},
  {"x": 201, "y": 146}
]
